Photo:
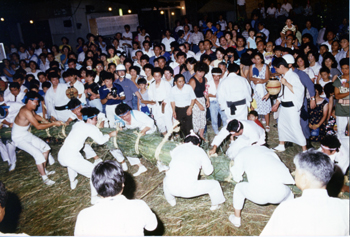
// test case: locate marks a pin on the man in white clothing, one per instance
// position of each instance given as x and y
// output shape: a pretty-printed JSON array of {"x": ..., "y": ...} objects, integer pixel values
[
  {"x": 291, "y": 97},
  {"x": 234, "y": 95},
  {"x": 248, "y": 133},
  {"x": 314, "y": 213},
  {"x": 69, "y": 155},
  {"x": 181, "y": 179},
  {"x": 256, "y": 162},
  {"x": 167, "y": 40},
  {"x": 56, "y": 100},
  {"x": 114, "y": 214}
]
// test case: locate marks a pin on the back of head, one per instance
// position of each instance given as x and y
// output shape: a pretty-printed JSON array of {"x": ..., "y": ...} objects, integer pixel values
[
  {"x": 108, "y": 178},
  {"x": 73, "y": 103},
  {"x": 89, "y": 113},
  {"x": 279, "y": 61},
  {"x": 317, "y": 165},
  {"x": 31, "y": 95},
  {"x": 233, "y": 67},
  {"x": 331, "y": 142},
  {"x": 106, "y": 75},
  {"x": 234, "y": 126},
  {"x": 193, "y": 138}
]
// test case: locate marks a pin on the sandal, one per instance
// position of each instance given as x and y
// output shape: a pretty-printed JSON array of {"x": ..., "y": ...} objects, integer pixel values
[{"x": 267, "y": 128}]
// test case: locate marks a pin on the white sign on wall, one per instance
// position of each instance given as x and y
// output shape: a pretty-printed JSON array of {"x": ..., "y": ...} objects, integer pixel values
[
  {"x": 113, "y": 24},
  {"x": 2, "y": 52}
]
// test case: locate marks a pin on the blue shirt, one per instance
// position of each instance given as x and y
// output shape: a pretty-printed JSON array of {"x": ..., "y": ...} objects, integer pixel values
[
  {"x": 129, "y": 89},
  {"x": 241, "y": 52},
  {"x": 104, "y": 91},
  {"x": 313, "y": 32}
]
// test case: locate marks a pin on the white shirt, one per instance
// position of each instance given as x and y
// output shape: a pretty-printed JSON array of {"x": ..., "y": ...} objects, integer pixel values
[
  {"x": 160, "y": 93},
  {"x": 81, "y": 57},
  {"x": 316, "y": 68},
  {"x": 140, "y": 120},
  {"x": 115, "y": 216},
  {"x": 252, "y": 133},
  {"x": 44, "y": 67},
  {"x": 150, "y": 53},
  {"x": 271, "y": 11},
  {"x": 241, "y": 2},
  {"x": 256, "y": 162},
  {"x": 196, "y": 37},
  {"x": 187, "y": 160},
  {"x": 298, "y": 88},
  {"x": 266, "y": 32},
  {"x": 58, "y": 98},
  {"x": 182, "y": 97},
  {"x": 287, "y": 6},
  {"x": 234, "y": 88},
  {"x": 198, "y": 55},
  {"x": 212, "y": 89},
  {"x": 313, "y": 214},
  {"x": 223, "y": 24},
  {"x": 190, "y": 54},
  {"x": 167, "y": 43},
  {"x": 10, "y": 97},
  {"x": 35, "y": 74}
]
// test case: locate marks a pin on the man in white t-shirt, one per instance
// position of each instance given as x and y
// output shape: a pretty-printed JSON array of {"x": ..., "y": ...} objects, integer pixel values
[
  {"x": 287, "y": 6},
  {"x": 127, "y": 37},
  {"x": 222, "y": 23},
  {"x": 167, "y": 40}
]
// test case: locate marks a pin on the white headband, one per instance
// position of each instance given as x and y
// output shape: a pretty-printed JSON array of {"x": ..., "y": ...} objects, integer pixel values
[
  {"x": 327, "y": 148},
  {"x": 192, "y": 134}
]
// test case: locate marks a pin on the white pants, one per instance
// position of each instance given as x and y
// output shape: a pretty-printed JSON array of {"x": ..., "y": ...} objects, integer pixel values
[
  {"x": 8, "y": 152},
  {"x": 89, "y": 152},
  {"x": 172, "y": 189},
  {"x": 342, "y": 122},
  {"x": 164, "y": 121},
  {"x": 236, "y": 146},
  {"x": 260, "y": 194},
  {"x": 110, "y": 112},
  {"x": 241, "y": 113},
  {"x": 76, "y": 164},
  {"x": 118, "y": 155},
  {"x": 32, "y": 145}
]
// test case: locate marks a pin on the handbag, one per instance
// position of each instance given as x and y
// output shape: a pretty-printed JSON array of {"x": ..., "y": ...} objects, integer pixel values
[{"x": 315, "y": 132}]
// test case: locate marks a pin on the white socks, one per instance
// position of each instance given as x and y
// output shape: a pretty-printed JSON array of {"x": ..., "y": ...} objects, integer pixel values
[
  {"x": 47, "y": 181},
  {"x": 236, "y": 221}
]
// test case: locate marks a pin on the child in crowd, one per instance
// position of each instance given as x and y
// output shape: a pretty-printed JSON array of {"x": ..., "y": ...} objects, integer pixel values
[
  {"x": 331, "y": 126},
  {"x": 268, "y": 55},
  {"x": 45, "y": 86},
  {"x": 289, "y": 26},
  {"x": 142, "y": 104},
  {"x": 325, "y": 77},
  {"x": 251, "y": 39},
  {"x": 254, "y": 116}
]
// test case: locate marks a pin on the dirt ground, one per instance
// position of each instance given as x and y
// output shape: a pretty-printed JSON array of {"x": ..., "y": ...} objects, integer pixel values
[{"x": 37, "y": 209}]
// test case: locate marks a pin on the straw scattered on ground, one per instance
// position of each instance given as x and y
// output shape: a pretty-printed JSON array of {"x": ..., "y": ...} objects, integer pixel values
[{"x": 53, "y": 210}]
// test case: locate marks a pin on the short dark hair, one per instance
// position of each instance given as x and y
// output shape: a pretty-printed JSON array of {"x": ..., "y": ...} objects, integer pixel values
[
  {"x": 201, "y": 67},
  {"x": 89, "y": 112},
  {"x": 106, "y": 75},
  {"x": 180, "y": 53},
  {"x": 167, "y": 68},
  {"x": 54, "y": 64},
  {"x": 253, "y": 112},
  {"x": 141, "y": 81},
  {"x": 233, "y": 67},
  {"x": 325, "y": 69},
  {"x": 3, "y": 195},
  {"x": 122, "y": 109},
  {"x": 316, "y": 163},
  {"x": 144, "y": 57},
  {"x": 328, "y": 89},
  {"x": 178, "y": 76},
  {"x": 331, "y": 141},
  {"x": 194, "y": 139},
  {"x": 53, "y": 75},
  {"x": 277, "y": 62},
  {"x": 18, "y": 76},
  {"x": 14, "y": 85},
  {"x": 73, "y": 103},
  {"x": 234, "y": 126},
  {"x": 136, "y": 68},
  {"x": 46, "y": 84},
  {"x": 71, "y": 72},
  {"x": 329, "y": 55},
  {"x": 108, "y": 178},
  {"x": 157, "y": 70},
  {"x": 344, "y": 61},
  {"x": 91, "y": 73},
  {"x": 318, "y": 88},
  {"x": 31, "y": 95}
]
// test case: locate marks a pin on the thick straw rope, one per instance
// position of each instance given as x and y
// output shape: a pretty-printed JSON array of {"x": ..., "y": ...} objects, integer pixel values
[
  {"x": 139, "y": 135},
  {"x": 115, "y": 138},
  {"x": 165, "y": 139}
]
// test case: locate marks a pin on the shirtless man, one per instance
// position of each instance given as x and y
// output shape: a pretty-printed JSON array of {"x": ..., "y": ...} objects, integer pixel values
[{"x": 26, "y": 141}]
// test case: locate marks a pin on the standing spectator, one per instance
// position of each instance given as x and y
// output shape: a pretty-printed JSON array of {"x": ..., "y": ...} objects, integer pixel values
[
  {"x": 341, "y": 93},
  {"x": 312, "y": 56},
  {"x": 303, "y": 65},
  {"x": 287, "y": 6},
  {"x": 344, "y": 52},
  {"x": 182, "y": 101},
  {"x": 329, "y": 39},
  {"x": 241, "y": 9},
  {"x": 311, "y": 30},
  {"x": 197, "y": 82},
  {"x": 271, "y": 10},
  {"x": 196, "y": 38},
  {"x": 222, "y": 23},
  {"x": 245, "y": 33},
  {"x": 167, "y": 40}
]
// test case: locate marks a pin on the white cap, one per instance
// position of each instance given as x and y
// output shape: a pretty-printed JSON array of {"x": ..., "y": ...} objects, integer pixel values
[
  {"x": 121, "y": 67},
  {"x": 289, "y": 58}
]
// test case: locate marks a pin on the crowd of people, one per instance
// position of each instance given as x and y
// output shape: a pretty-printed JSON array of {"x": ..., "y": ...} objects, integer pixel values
[{"x": 212, "y": 71}]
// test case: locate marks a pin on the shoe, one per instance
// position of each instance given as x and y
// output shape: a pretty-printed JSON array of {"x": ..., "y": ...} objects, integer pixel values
[
  {"x": 124, "y": 166},
  {"x": 95, "y": 199},
  {"x": 279, "y": 148},
  {"x": 236, "y": 221},
  {"x": 267, "y": 128},
  {"x": 172, "y": 202},
  {"x": 50, "y": 172},
  {"x": 73, "y": 184},
  {"x": 141, "y": 170},
  {"x": 215, "y": 207},
  {"x": 161, "y": 167},
  {"x": 51, "y": 159},
  {"x": 288, "y": 144},
  {"x": 12, "y": 167},
  {"x": 99, "y": 160},
  {"x": 49, "y": 182}
]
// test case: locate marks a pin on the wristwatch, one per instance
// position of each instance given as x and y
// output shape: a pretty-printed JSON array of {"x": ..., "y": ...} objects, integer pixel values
[{"x": 312, "y": 98}]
